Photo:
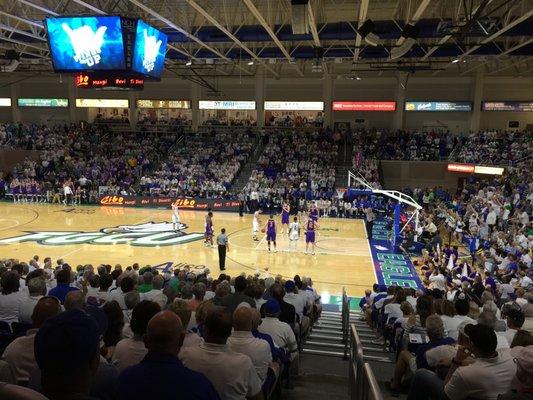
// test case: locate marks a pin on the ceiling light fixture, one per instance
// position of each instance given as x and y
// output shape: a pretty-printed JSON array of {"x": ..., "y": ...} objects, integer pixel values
[
  {"x": 251, "y": 62},
  {"x": 188, "y": 63},
  {"x": 455, "y": 61}
]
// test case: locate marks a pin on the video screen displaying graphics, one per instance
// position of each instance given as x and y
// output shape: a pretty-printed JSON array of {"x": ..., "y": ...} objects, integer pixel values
[
  {"x": 150, "y": 49},
  {"x": 438, "y": 106},
  {"x": 86, "y": 43}
]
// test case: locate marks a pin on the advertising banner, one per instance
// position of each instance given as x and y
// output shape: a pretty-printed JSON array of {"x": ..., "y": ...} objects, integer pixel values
[
  {"x": 103, "y": 103},
  {"x": 42, "y": 102},
  {"x": 5, "y": 102},
  {"x": 438, "y": 106},
  {"x": 181, "y": 202},
  {"x": 145, "y": 103},
  {"x": 515, "y": 106},
  {"x": 294, "y": 106},
  {"x": 363, "y": 106},
  {"x": 226, "y": 105}
]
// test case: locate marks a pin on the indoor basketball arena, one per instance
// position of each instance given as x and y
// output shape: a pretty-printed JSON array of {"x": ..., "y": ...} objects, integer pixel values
[{"x": 266, "y": 199}]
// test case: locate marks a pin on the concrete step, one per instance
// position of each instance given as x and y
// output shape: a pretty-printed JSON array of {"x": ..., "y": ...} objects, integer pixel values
[
  {"x": 324, "y": 353},
  {"x": 324, "y": 344},
  {"x": 321, "y": 330},
  {"x": 378, "y": 359},
  {"x": 335, "y": 338}
]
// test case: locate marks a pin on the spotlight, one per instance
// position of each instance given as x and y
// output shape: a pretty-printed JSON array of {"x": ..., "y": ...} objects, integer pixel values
[
  {"x": 251, "y": 62},
  {"x": 455, "y": 61},
  {"x": 188, "y": 63}
]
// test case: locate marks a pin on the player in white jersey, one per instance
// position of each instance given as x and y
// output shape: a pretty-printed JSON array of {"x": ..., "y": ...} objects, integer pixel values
[
  {"x": 175, "y": 217},
  {"x": 255, "y": 226},
  {"x": 294, "y": 233}
]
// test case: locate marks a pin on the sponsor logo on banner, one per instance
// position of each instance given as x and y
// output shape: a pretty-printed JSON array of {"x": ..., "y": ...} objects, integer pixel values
[
  {"x": 391, "y": 266},
  {"x": 181, "y": 202},
  {"x": 145, "y": 235}
]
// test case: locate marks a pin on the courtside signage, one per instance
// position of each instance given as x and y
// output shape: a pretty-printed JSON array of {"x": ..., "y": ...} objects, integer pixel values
[
  {"x": 226, "y": 105},
  {"x": 480, "y": 169},
  {"x": 466, "y": 168},
  {"x": 294, "y": 106},
  {"x": 5, "y": 102},
  {"x": 363, "y": 106},
  {"x": 475, "y": 169}
]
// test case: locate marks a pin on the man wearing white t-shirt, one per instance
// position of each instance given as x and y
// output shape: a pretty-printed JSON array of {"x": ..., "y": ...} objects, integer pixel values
[{"x": 438, "y": 280}]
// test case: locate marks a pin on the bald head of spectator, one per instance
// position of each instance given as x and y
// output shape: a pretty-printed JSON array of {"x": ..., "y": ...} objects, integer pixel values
[
  {"x": 242, "y": 319},
  {"x": 164, "y": 334},
  {"x": 75, "y": 299}
]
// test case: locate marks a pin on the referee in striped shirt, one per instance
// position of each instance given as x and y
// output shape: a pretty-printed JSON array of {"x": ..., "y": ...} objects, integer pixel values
[{"x": 223, "y": 247}]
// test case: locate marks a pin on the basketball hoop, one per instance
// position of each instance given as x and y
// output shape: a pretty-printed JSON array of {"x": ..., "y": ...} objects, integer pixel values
[{"x": 340, "y": 192}]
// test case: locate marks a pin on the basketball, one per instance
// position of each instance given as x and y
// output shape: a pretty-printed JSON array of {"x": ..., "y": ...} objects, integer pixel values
[{"x": 263, "y": 230}]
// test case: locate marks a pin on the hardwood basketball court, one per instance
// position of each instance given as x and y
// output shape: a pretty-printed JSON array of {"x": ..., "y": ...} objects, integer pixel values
[{"x": 94, "y": 234}]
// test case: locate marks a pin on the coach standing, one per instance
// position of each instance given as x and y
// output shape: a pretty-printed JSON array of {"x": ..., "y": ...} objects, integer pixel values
[{"x": 223, "y": 247}]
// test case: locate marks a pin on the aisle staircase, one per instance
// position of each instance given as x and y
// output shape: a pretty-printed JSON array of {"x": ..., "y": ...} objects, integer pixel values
[
  {"x": 343, "y": 164},
  {"x": 242, "y": 179},
  {"x": 326, "y": 338}
]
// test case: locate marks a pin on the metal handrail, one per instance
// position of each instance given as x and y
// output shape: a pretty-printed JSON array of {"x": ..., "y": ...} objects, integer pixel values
[
  {"x": 356, "y": 365},
  {"x": 371, "y": 390}
]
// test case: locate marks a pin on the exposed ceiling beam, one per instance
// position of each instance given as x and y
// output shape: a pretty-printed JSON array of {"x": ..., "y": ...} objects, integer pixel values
[
  {"x": 444, "y": 39},
  {"x": 90, "y": 7},
  {"x": 38, "y": 7},
  {"x": 211, "y": 19},
  {"x": 510, "y": 50},
  {"x": 8, "y": 39},
  {"x": 21, "y": 32},
  {"x": 510, "y": 65},
  {"x": 23, "y": 20},
  {"x": 363, "y": 10},
  {"x": 417, "y": 15},
  {"x": 312, "y": 25},
  {"x": 517, "y": 21},
  {"x": 269, "y": 30}
]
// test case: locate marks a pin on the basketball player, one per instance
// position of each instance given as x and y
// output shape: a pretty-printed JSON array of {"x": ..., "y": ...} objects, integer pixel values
[
  {"x": 285, "y": 212},
  {"x": 175, "y": 217},
  {"x": 208, "y": 242},
  {"x": 294, "y": 233},
  {"x": 313, "y": 213},
  {"x": 255, "y": 226},
  {"x": 271, "y": 232},
  {"x": 310, "y": 228}
]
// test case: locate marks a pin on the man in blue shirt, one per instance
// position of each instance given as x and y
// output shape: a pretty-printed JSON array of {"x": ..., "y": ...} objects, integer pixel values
[
  {"x": 161, "y": 375},
  {"x": 63, "y": 285}
]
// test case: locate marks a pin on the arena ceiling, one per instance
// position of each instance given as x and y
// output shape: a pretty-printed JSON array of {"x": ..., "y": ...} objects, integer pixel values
[{"x": 242, "y": 37}]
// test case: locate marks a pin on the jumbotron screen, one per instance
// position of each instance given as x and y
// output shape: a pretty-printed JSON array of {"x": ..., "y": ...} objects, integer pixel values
[
  {"x": 149, "y": 51},
  {"x": 86, "y": 43}
]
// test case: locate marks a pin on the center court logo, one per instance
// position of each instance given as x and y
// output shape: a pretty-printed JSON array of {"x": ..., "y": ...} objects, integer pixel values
[
  {"x": 87, "y": 44},
  {"x": 151, "y": 50},
  {"x": 146, "y": 235}
]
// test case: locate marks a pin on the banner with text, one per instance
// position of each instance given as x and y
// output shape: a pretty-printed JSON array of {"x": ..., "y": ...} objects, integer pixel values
[
  {"x": 392, "y": 267},
  {"x": 181, "y": 202}
]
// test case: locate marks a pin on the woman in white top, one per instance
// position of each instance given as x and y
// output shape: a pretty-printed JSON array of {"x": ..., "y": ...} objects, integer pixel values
[{"x": 11, "y": 297}]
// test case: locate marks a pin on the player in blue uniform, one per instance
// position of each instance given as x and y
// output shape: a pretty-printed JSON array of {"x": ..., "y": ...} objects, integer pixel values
[
  {"x": 271, "y": 232},
  {"x": 285, "y": 213},
  {"x": 310, "y": 228}
]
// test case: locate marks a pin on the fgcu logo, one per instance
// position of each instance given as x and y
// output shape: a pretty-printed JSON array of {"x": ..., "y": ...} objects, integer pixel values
[
  {"x": 151, "y": 50},
  {"x": 87, "y": 44},
  {"x": 148, "y": 234}
]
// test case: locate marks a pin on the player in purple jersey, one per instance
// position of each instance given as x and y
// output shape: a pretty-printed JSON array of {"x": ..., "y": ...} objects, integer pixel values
[
  {"x": 285, "y": 213},
  {"x": 208, "y": 230},
  {"x": 15, "y": 189},
  {"x": 271, "y": 232},
  {"x": 313, "y": 214},
  {"x": 310, "y": 229}
]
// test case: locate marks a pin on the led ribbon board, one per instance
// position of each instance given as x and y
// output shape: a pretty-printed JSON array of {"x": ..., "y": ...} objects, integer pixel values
[
  {"x": 438, "y": 106},
  {"x": 179, "y": 104},
  {"x": 515, "y": 106},
  {"x": 102, "y": 103},
  {"x": 363, "y": 106},
  {"x": 42, "y": 102},
  {"x": 294, "y": 106},
  {"x": 226, "y": 105},
  {"x": 86, "y": 43}
]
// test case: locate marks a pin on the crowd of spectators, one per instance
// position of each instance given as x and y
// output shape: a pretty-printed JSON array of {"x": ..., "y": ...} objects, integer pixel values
[
  {"x": 294, "y": 120},
  {"x": 297, "y": 164},
  {"x": 131, "y": 333},
  {"x": 202, "y": 165}
]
